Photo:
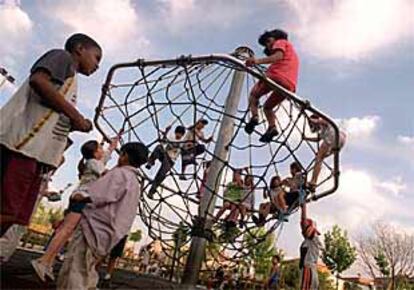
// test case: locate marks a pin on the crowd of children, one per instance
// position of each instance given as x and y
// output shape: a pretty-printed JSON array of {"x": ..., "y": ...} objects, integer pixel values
[{"x": 34, "y": 128}]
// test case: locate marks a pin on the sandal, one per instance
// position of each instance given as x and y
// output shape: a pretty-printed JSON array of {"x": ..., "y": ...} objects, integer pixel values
[
  {"x": 249, "y": 128},
  {"x": 269, "y": 135}
]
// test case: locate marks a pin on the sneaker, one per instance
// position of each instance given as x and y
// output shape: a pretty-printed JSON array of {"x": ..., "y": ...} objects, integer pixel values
[
  {"x": 107, "y": 277},
  {"x": 40, "y": 269},
  {"x": 249, "y": 128},
  {"x": 269, "y": 135}
]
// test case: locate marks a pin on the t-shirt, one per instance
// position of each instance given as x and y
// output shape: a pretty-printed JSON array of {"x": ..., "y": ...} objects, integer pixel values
[
  {"x": 309, "y": 251},
  {"x": 28, "y": 125},
  {"x": 233, "y": 192},
  {"x": 94, "y": 169},
  {"x": 286, "y": 68},
  {"x": 172, "y": 147}
]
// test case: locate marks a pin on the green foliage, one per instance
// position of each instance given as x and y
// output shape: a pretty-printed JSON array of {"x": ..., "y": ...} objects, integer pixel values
[
  {"x": 55, "y": 215},
  {"x": 338, "y": 253},
  {"x": 325, "y": 283},
  {"x": 382, "y": 263},
  {"x": 262, "y": 252},
  {"x": 351, "y": 286},
  {"x": 135, "y": 236},
  {"x": 290, "y": 278}
]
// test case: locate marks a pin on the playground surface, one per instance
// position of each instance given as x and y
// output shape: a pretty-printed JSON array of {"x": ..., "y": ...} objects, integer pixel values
[{"x": 18, "y": 274}]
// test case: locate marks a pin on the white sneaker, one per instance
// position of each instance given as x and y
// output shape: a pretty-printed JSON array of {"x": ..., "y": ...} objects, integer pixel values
[
  {"x": 40, "y": 269},
  {"x": 107, "y": 277}
]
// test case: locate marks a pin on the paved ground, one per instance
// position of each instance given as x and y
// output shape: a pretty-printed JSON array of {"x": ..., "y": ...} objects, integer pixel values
[{"x": 18, "y": 274}]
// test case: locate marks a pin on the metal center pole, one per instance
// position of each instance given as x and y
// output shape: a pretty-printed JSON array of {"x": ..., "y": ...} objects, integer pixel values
[{"x": 208, "y": 201}]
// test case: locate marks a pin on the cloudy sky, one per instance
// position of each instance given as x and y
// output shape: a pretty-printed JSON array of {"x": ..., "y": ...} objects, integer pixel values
[{"x": 356, "y": 65}]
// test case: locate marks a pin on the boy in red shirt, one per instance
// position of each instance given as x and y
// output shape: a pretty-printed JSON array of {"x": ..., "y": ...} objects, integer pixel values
[{"x": 283, "y": 70}]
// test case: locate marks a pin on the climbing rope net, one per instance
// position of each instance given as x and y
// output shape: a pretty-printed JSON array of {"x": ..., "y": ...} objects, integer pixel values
[{"x": 142, "y": 98}]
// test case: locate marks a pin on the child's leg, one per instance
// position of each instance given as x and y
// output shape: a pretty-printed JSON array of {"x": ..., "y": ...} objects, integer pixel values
[
  {"x": 281, "y": 200},
  {"x": 166, "y": 166},
  {"x": 257, "y": 92},
  {"x": 61, "y": 237},
  {"x": 274, "y": 100},
  {"x": 234, "y": 213},
  {"x": 320, "y": 156},
  {"x": 225, "y": 206}
]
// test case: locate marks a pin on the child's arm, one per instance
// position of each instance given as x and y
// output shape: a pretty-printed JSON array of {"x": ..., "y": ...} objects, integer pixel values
[
  {"x": 303, "y": 215},
  {"x": 310, "y": 139},
  {"x": 278, "y": 55},
  {"x": 40, "y": 82}
]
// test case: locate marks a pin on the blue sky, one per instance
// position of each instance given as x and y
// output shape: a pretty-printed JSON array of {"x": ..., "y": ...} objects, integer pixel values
[{"x": 356, "y": 66}]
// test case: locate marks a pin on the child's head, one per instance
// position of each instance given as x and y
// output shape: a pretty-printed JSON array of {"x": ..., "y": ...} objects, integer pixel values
[
  {"x": 179, "y": 132},
  {"x": 275, "y": 181},
  {"x": 269, "y": 37},
  {"x": 275, "y": 259},
  {"x": 313, "y": 124},
  {"x": 86, "y": 51},
  {"x": 295, "y": 168},
  {"x": 249, "y": 180},
  {"x": 92, "y": 149},
  {"x": 237, "y": 176},
  {"x": 134, "y": 154},
  {"x": 201, "y": 124}
]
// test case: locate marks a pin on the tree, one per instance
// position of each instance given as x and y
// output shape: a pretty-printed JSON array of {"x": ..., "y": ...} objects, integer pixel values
[
  {"x": 387, "y": 253},
  {"x": 338, "y": 253},
  {"x": 261, "y": 253},
  {"x": 135, "y": 236}
]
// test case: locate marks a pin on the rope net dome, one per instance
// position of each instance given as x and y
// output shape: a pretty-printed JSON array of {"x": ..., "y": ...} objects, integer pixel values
[{"x": 143, "y": 98}]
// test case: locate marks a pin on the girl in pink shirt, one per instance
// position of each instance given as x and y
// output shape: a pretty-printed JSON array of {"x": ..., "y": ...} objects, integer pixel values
[{"x": 283, "y": 70}]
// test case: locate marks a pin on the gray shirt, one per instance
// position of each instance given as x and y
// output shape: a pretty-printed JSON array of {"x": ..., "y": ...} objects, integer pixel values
[
  {"x": 310, "y": 250},
  {"x": 28, "y": 125},
  {"x": 115, "y": 198}
]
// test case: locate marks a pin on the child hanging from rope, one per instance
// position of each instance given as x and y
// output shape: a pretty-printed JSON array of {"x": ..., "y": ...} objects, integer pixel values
[
  {"x": 232, "y": 196},
  {"x": 281, "y": 200},
  {"x": 309, "y": 252},
  {"x": 91, "y": 167},
  {"x": 326, "y": 133},
  {"x": 283, "y": 70},
  {"x": 36, "y": 121},
  {"x": 114, "y": 199},
  {"x": 167, "y": 154},
  {"x": 192, "y": 148}
]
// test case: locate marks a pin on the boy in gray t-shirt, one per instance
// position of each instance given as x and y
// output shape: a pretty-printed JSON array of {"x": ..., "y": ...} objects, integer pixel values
[{"x": 36, "y": 121}]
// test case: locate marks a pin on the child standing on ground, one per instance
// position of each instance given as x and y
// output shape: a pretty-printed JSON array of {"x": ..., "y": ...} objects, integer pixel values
[
  {"x": 192, "y": 147},
  {"x": 106, "y": 220},
  {"x": 91, "y": 167},
  {"x": 283, "y": 69},
  {"x": 36, "y": 121},
  {"x": 326, "y": 133},
  {"x": 166, "y": 154},
  {"x": 273, "y": 282}
]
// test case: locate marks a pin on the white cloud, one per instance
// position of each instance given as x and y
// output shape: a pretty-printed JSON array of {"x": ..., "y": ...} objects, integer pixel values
[
  {"x": 16, "y": 27},
  {"x": 360, "y": 127},
  {"x": 352, "y": 29},
  {"x": 187, "y": 15},
  {"x": 395, "y": 185},
  {"x": 406, "y": 140},
  {"x": 114, "y": 23}
]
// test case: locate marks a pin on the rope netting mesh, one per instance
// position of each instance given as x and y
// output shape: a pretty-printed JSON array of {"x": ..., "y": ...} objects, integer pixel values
[{"x": 143, "y": 98}]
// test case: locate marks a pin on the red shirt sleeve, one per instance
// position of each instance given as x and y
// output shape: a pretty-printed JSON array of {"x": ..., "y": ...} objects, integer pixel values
[{"x": 279, "y": 45}]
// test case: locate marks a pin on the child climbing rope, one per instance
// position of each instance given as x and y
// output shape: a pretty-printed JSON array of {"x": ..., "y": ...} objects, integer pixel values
[
  {"x": 283, "y": 69},
  {"x": 36, "y": 121},
  {"x": 247, "y": 200},
  {"x": 282, "y": 201},
  {"x": 326, "y": 133},
  {"x": 114, "y": 199},
  {"x": 192, "y": 148},
  {"x": 167, "y": 154},
  {"x": 232, "y": 196},
  {"x": 91, "y": 167},
  {"x": 206, "y": 166}
]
